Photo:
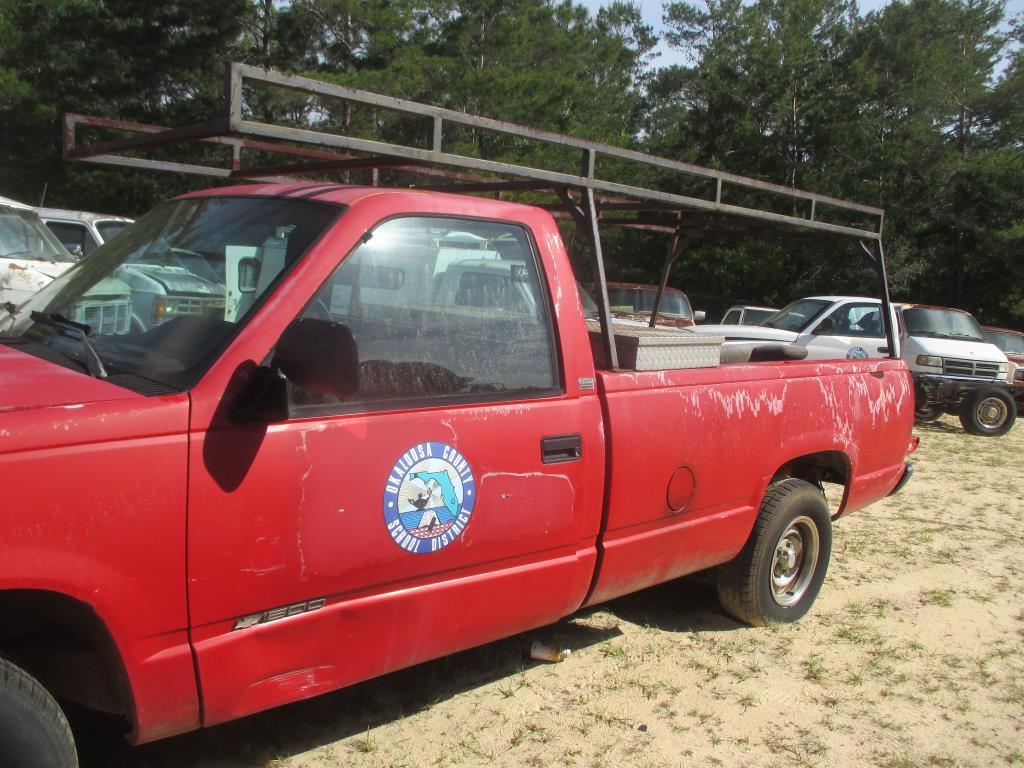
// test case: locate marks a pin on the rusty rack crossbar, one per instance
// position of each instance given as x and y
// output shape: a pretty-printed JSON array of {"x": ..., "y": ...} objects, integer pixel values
[{"x": 584, "y": 196}]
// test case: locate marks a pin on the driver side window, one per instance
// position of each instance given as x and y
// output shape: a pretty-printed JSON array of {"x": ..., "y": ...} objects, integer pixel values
[{"x": 441, "y": 310}]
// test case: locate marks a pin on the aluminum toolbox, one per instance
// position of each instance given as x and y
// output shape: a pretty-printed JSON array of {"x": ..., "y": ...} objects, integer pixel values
[{"x": 657, "y": 349}]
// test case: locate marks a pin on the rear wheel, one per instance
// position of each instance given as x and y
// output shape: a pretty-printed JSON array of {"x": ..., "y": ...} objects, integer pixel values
[
  {"x": 779, "y": 572},
  {"x": 988, "y": 412},
  {"x": 33, "y": 731}
]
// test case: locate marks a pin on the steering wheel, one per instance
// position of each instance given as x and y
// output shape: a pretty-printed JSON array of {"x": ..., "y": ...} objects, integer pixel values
[{"x": 318, "y": 310}]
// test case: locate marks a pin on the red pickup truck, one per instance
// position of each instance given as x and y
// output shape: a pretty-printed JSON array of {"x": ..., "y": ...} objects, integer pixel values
[{"x": 390, "y": 444}]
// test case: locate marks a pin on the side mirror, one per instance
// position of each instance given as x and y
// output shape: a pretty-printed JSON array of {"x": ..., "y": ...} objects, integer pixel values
[
  {"x": 699, "y": 316},
  {"x": 263, "y": 399},
  {"x": 75, "y": 250},
  {"x": 320, "y": 355}
]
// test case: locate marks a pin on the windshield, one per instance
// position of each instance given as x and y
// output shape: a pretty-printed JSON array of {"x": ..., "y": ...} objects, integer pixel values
[
  {"x": 942, "y": 323},
  {"x": 637, "y": 301},
  {"x": 797, "y": 316},
  {"x": 162, "y": 299},
  {"x": 1011, "y": 343},
  {"x": 108, "y": 229},
  {"x": 23, "y": 236}
]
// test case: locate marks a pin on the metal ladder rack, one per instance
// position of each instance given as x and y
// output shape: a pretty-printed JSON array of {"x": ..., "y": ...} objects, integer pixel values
[{"x": 587, "y": 196}]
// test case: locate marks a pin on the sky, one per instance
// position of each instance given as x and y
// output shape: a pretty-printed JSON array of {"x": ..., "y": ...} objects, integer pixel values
[{"x": 651, "y": 10}]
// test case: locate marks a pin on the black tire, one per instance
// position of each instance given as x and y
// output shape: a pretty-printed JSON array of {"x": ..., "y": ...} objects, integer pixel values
[
  {"x": 926, "y": 414},
  {"x": 771, "y": 580},
  {"x": 33, "y": 731},
  {"x": 989, "y": 412}
]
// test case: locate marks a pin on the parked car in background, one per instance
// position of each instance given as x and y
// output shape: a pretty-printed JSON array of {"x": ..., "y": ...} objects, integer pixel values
[
  {"x": 739, "y": 314},
  {"x": 635, "y": 301},
  {"x": 1012, "y": 345},
  {"x": 956, "y": 369},
  {"x": 160, "y": 288},
  {"x": 31, "y": 257},
  {"x": 828, "y": 327},
  {"x": 82, "y": 232}
]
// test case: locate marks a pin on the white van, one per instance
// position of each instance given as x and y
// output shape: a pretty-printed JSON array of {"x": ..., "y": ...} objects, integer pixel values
[{"x": 956, "y": 369}]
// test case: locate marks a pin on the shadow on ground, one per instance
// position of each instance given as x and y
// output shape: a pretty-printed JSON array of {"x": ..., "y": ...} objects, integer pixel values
[
  {"x": 943, "y": 427},
  {"x": 685, "y": 605}
]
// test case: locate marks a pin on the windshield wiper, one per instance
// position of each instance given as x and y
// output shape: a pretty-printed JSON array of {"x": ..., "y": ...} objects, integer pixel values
[{"x": 79, "y": 331}]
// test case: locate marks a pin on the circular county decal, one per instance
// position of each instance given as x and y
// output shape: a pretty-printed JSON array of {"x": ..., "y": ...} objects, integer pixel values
[
  {"x": 429, "y": 498},
  {"x": 857, "y": 353}
]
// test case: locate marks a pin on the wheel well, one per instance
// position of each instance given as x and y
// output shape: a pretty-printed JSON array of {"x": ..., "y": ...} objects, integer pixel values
[
  {"x": 64, "y": 644},
  {"x": 818, "y": 468}
]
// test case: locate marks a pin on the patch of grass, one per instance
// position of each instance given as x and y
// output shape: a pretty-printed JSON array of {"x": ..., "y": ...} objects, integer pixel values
[
  {"x": 615, "y": 651},
  {"x": 814, "y": 669},
  {"x": 367, "y": 744},
  {"x": 801, "y": 751},
  {"x": 748, "y": 701}
]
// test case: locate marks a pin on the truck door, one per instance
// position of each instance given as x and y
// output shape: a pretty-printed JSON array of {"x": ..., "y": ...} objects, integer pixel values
[
  {"x": 851, "y": 330},
  {"x": 440, "y": 506}
]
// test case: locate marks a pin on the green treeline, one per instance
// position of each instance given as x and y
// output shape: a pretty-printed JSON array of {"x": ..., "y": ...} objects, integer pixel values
[{"x": 918, "y": 108}]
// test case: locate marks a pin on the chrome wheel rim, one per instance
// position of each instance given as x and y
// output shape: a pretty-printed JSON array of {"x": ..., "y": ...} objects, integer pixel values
[
  {"x": 795, "y": 560},
  {"x": 992, "y": 413}
]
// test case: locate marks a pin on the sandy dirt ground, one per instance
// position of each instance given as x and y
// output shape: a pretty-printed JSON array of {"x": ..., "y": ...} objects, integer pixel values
[{"x": 913, "y": 655}]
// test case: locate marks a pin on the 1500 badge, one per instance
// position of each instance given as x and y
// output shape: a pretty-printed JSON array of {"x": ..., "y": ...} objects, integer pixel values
[
  {"x": 279, "y": 613},
  {"x": 428, "y": 498}
]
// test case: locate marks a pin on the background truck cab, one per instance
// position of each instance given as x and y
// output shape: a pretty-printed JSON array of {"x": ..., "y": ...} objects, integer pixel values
[
  {"x": 828, "y": 327},
  {"x": 635, "y": 301}
]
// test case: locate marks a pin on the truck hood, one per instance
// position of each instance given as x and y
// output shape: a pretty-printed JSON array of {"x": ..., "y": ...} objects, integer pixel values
[
  {"x": 28, "y": 382},
  {"x": 746, "y": 332},
  {"x": 953, "y": 348},
  {"x": 21, "y": 277},
  {"x": 176, "y": 279}
]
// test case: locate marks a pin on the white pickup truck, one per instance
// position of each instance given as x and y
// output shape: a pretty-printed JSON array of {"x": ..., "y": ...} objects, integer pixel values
[
  {"x": 956, "y": 369},
  {"x": 827, "y": 327}
]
